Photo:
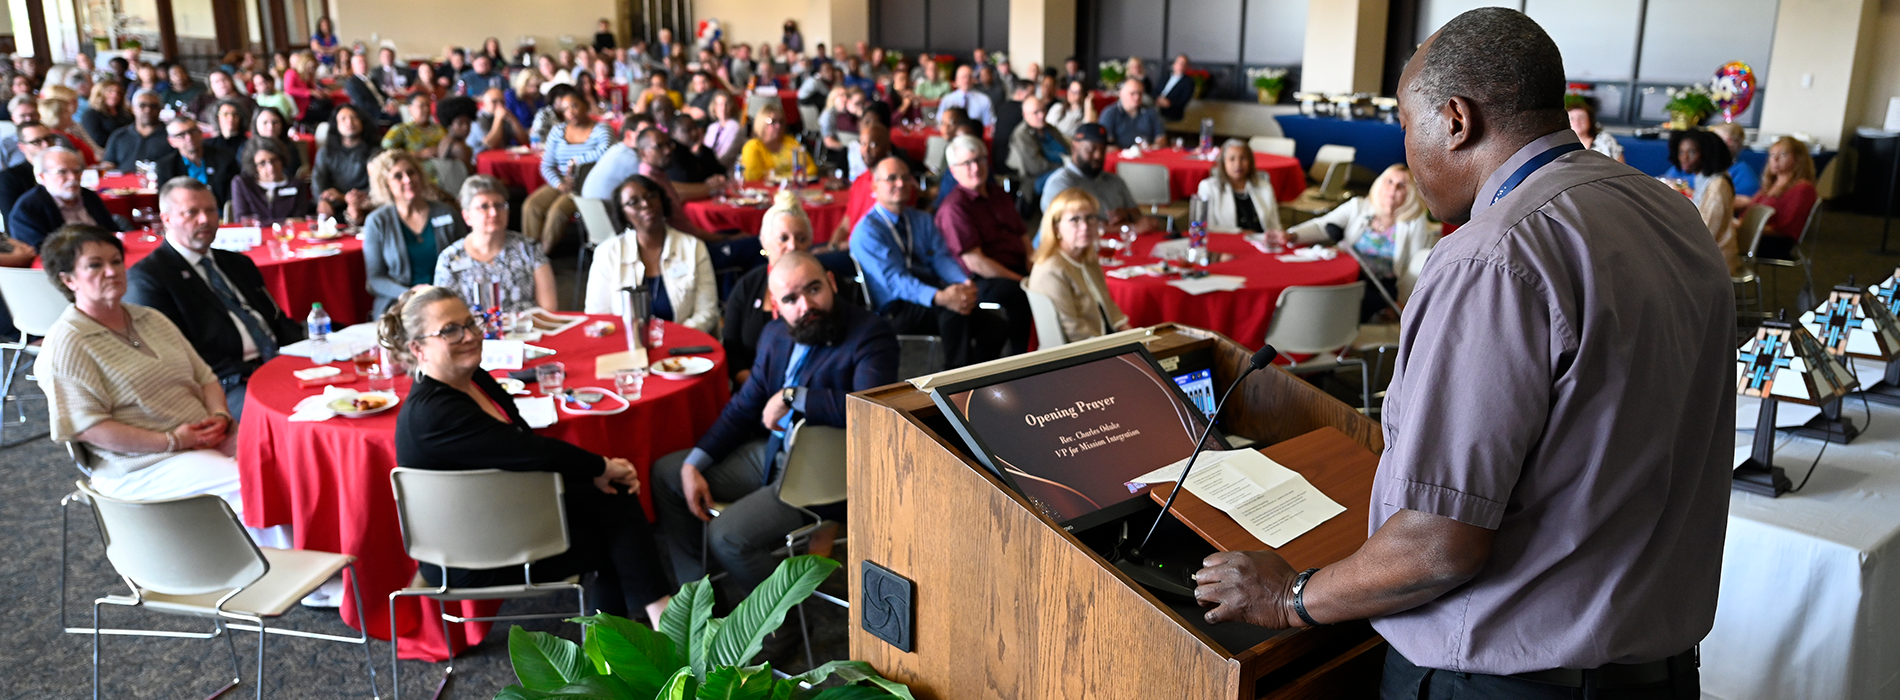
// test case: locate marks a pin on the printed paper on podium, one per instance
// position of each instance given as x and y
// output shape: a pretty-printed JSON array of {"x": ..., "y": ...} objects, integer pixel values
[{"x": 1273, "y": 503}]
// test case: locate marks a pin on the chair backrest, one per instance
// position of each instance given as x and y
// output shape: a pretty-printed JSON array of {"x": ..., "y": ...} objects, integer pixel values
[
  {"x": 1333, "y": 187},
  {"x": 814, "y": 466},
  {"x": 934, "y": 149},
  {"x": 449, "y": 174},
  {"x": 180, "y": 546},
  {"x": 450, "y": 517},
  {"x": 600, "y": 226},
  {"x": 1812, "y": 225},
  {"x": 755, "y": 102},
  {"x": 864, "y": 286},
  {"x": 1048, "y": 321},
  {"x": 1276, "y": 145},
  {"x": 1146, "y": 181},
  {"x": 1335, "y": 153},
  {"x": 322, "y": 133},
  {"x": 1749, "y": 231},
  {"x": 1312, "y": 320},
  {"x": 808, "y": 118},
  {"x": 31, "y": 298}
]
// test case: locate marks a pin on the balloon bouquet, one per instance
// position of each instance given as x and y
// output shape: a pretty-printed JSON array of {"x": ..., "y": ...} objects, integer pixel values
[{"x": 1734, "y": 89}]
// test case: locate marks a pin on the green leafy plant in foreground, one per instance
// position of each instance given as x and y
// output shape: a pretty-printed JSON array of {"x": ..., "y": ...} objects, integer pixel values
[{"x": 693, "y": 655}]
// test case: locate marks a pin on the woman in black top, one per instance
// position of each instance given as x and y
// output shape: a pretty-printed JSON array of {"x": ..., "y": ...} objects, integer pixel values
[
  {"x": 458, "y": 418},
  {"x": 784, "y": 229},
  {"x": 340, "y": 177}
]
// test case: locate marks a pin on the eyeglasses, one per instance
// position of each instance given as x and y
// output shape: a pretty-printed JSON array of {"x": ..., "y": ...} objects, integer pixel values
[
  {"x": 43, "y": 141},
  {"x": 453, "y": 333},
  {"x": 967, "y": 163}
]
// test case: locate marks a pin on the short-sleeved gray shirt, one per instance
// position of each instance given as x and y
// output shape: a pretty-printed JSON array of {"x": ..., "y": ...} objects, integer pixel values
[
  {"x": 1565, "y": 377},
  {"x": 1106, "y": 186}
]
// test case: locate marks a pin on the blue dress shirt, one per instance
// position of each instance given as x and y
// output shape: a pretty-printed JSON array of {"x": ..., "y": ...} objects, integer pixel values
[{"x": 896, "y": 267}]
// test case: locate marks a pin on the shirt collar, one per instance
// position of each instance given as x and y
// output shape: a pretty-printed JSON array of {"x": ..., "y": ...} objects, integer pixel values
[
  {"x": 1517, "y": 160},
  {"x": 191, "y": 257}
]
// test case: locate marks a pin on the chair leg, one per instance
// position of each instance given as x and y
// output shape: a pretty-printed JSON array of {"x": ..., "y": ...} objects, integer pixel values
[
  {"x": 448, "y": 670},
  {"x": 395, "y": 662},
  {"x": 580, "y": 277},
  {"x": 804, "y": 631},
  {"x": 237, "y": 667},
  {"x": 262, "y": 637},
  {"x": 369, "y": 660},
  {"x": 1365, "y": 386},
  {"x": 95, "y": 650}
]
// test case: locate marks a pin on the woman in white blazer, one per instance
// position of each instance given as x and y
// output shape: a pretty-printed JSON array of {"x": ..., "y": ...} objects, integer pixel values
[
  {"x": 1256, "y": 212},
  {"x": 674, "y": 266},
  {"x": 1387, "y": 229}
]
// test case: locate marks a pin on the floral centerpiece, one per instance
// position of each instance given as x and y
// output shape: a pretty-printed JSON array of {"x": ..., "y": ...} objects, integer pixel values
[
  {"x": 1268, "y": 82},
  {"x": 1112, "y": 71},
  {"x": 1201, "y": 78},
  {"x": 893, "y": 59},
  {"x": 946, "y": 65},
  {"x": 1690, "y": 105}
]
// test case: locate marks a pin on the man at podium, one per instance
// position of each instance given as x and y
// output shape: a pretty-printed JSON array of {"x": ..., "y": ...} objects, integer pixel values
[{"x": 1548, "y": 515}]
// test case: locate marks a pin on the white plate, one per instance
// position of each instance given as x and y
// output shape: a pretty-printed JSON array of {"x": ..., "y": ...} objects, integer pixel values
[
  {"x": 608, "y": 403},
  {"x": 390, "y": 399},
  {"x": 691, "y": 365},
  {"x": 512, "y": 385}
]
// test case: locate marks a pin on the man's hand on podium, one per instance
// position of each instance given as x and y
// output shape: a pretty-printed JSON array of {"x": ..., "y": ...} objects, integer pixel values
[{"x": 1251, "y": 587}]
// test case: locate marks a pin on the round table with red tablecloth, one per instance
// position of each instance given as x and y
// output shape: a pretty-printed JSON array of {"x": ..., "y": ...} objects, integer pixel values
[
  {"x": 329, "y": 480},
  {"x": 514, "y": 167},
  {"x": 714, "y": 215},
  {"x": 122, "y": 194},
  {"x": 1242, "y": 315},
  {"x": 916, "y": 140},
  {"x": 1186, "y": 170}
]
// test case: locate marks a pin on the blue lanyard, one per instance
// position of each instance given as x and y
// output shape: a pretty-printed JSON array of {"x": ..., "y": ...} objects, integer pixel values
[{"x": 1531, "y": 166}]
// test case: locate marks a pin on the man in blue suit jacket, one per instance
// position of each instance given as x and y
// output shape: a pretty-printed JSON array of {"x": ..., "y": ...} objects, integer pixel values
[
  {"x": 817, "y": 351},
  {"x": 57, "y": 201}
]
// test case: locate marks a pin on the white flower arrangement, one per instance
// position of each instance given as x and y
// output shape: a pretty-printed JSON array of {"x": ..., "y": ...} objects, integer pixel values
[
  {"x": 1267, "y": 78},
  {"x": 1112, "y": 71}
]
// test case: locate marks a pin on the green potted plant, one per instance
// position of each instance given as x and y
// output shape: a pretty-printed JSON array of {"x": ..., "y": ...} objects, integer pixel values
[
  {"x": 1113, "y": 72},
  {"x": 693, "y": 655},
  {"x": 1268, "y": 82},
  {"x": 1689, "y": 106}
]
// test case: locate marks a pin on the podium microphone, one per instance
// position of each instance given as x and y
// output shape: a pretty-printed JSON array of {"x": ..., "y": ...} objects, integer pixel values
[{"x": 1132, "y": 562}]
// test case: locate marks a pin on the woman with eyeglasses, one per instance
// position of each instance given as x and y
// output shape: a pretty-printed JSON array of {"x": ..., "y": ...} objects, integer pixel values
[
  {"x": 772, "y": 152},
  {"x": 405, "y": 236},
  {"x": 1068, "y": 272},
  {"x": 457, "y": 418},
  {"x": 264, "y": 189},
  {"x": 674, "y": 267},
  {"x": 492, "y": 254}
]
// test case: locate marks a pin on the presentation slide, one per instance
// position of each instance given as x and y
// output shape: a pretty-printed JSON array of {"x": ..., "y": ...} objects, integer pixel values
[{"x": 1072, "y": 436}]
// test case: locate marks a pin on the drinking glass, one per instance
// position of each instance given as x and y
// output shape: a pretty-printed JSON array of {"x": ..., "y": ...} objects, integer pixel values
[
  {"x": 365, "y": 360},
  {"x": 1180, "y": 144},
  {"x": 550, "y": 376},
  {"x": 1127, "y": 236},
  {"x": 656, "y": 333},
  {"x": 629, "y": 383}
]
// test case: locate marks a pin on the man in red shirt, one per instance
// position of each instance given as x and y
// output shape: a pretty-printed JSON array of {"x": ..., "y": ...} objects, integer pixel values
[
  {"x": 874, "y": 141},
  {"x": 981, "y": 227}
]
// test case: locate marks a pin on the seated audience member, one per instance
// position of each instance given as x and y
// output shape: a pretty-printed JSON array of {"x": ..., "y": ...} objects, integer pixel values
[
  {"x": 390, "y": 76},
  {"x": 1009, "y": 115},
  {"x": 184, "y": 94},
  {"x": 142, "y": 140},
  {"x": 725, "y": 134},
  {"x": 1138, "y": 72},
  {"x": 17, "y": 180},
  {"x": 419, "y": 131},
  {"x": 492, "y": 253},
  {"x": 263, "y": 189},
  {"x": 121, "y": 378},
  {"x": 21, "y": 109},
  {"x": 57, "y": 201},
  {"x": 105, "y": 112},
  {"x": 368, "y": 96},
  {"x": 913, "y": 279},
  {"x": 772, "y": 153},
  {"x": 265, "y": 93},
  {"x": 191, "y": 157},
  {"x": 966, "y": 97},
  {"x": 216, "y": 298},
  {"x": 268, "y": 123},
  {"x": 749, "y": 307},
  {"x": 980, "y": 226},
  {"x": 1747, "y": 181},
  {"x": 525, "y": 99},
  {"x": 1075, "y": 109},
  {"x": 1068, "y": 270},
  {"x": 991, "y": 85},
  {"x": 1128, "y": 121},
  {"x": 1583, "y": 121},
  {"x": 1239, "y": 197},
  {"x": 495, "y": 126},
  {"x": 619, "y": 162},
  {"x": 406, "y": 234},
  {"x": 1173, "y": 99},
  {"x": 1787, "y": 184},
  {"x": 300, "y": 83},
  {"x": 229, "y": 130},
  {"x": 657, "y": 90},
  {"x": 674, "y": 267},
  {"x": 1036, "y": 148},
  {"x": 225, "y": 89},
  {"x": 817, "y": 352},
  {"x": 838, "y": 118},
  {"x": 57, "y": 104},
  {"x": 699, "y": 94},
  {"x": 457, "y": 417},
  {"x": 816, "y": 88},
  {"x": 694, "y": 163},
  {"x": 1387, "y": 229},
  {"x": 930, "y": 82},
  {"x": 549, "y": 114},
  {"x": 480, "y": 77},
  {"x": 874, "y": 145},
  {"x": 1704, "y": 158},
  {"x": 341, "y": 177},
  {"x": 1090, "y": 144},
  {"x": 452, "y": 159},
  {"x": 572, "y": 148}
]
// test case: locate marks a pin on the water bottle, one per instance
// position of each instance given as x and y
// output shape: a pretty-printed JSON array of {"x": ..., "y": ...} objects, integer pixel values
[
  {"x": 318, "y": 328},
  {"x": 1207, "y": 134},
  {"x": 1197, "y": 232}
]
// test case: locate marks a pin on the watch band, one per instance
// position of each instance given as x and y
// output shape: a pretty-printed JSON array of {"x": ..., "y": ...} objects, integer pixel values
[{"x": 1299, "y": 596}]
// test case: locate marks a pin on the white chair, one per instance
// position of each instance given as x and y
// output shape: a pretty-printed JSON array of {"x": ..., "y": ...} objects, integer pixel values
[
  {"x": 322, "y": 134},
  {"x": 1323, "y": 322},
  {"x": 1335, "y": 153},
  {"x": 815, "y": 468},
  {"x": 190, "y": 556},
  {"x": 36, "y": 305},
  {"x": 934, "y": 149},
  {"x": 1748, "y": 235},
  {"x": 1276, "y": 145},
  {"x": 1147, "y": 182},
  {"x": 1048, "y": 321},
  {"x": 808, "y": 119},
  {"x": 448, "y": 520},
  {"x": 1322, "y": 198},
  {"x": 1800, "y": 255},
  {"x": 600, "y": 229},
  {"x": 449, "y": 173}
]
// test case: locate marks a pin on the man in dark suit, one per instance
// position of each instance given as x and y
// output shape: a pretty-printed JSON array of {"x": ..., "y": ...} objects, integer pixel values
[
  {"x": 216, "y": 298},
  {"x": 368, "y": 95},
  {"x": 391, "y": 77},
  {"x": 17, "y": 180},
  {"x": 57, "y": 201},
  {"x": 817, "y": 351},
  {"x": 1177, "y": 93},
  {"x": 193, "y": 158}
]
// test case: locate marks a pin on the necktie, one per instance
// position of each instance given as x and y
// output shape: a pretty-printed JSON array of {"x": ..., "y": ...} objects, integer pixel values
[
  {"x": 794, "y": 378},
  {"x": 265, "y": 342}
]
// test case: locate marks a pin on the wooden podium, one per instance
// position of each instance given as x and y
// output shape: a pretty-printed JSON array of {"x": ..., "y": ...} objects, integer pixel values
[{"x": 1010, "y": 605}]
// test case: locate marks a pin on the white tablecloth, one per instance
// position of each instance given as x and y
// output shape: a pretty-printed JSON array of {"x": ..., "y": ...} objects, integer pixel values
[{"x": 1810, "y": 603}]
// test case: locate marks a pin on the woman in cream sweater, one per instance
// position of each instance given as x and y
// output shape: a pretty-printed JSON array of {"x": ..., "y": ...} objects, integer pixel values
[
  {"x": 672, "y": 265},
  {"x": 1067, "y": 271}
]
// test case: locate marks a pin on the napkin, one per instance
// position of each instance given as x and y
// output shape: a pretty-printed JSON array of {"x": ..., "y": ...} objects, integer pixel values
[
  {"x": 1131, "y": 152},
  {"x": 1170, "y": 250},
  {"x": 319, "y": 251},
  {"x": 1208, "y": 284},
  {"x": 1310, "y": 254},
  {"x": 537, "y": 411},
  {"x": 315, "y": 407},
  {"x": 1133, "y": 271}
]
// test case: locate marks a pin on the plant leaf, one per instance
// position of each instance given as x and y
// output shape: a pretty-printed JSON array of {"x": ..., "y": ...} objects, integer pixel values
[
  {"x": 627, "y": 650},
  {"x": 701, "y": 661},
  {"x": 679, "y": 687},
  {"x": 851, "y": 692},
  {"x": 854, "y": 672},
  {"x": 543, "y": 661},
  {"x": 685, "y": 618},
  {"x": 735, "y": 683},
  {"x": 515, "y": 692},
  {"x": 595, "y": 688},
  {"x": 764, "y": 610}
]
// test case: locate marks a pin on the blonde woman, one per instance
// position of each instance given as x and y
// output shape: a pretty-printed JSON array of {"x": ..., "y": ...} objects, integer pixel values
[
  {"x": 674, "y": 267},
  {"x": 1239, "y": 196},
  {"x": 772, "y": 152},
  {"x": 300, "y": 82},
  {"x": 406, "y": 234},
  {"x": 106, "y": 111},
  {"x": 57, "y": 103},
  {"x": 1787, "y": 184},
  {"x": 1387, "y": 229},
  {"x": 1067, "y": 270}
]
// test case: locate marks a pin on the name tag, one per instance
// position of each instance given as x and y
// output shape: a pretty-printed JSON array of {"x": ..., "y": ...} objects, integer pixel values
[
  {"x": 462, "y": 265},
  {"x": 443, "y": 220},
  {"x": 286, "y": 190}
]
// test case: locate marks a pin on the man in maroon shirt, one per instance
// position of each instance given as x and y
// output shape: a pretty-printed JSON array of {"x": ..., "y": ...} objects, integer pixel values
[{"x": 981, "y": 227}]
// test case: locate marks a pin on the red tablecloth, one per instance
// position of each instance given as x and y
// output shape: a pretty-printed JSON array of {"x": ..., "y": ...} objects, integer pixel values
[
  {"x": 712, "y": 215},
  {"x": 916, "y": 141},
  {"x": 521, "y": 170},
  {"x": 330, "y": 481},
  {"x": 1186, "y": 171},
  {"x": 1242, "y": 315},
  {"x": 122, "y": 202}
]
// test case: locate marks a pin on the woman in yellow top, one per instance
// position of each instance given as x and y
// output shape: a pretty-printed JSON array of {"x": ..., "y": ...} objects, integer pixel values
[{"x": 772, "y": 152}]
